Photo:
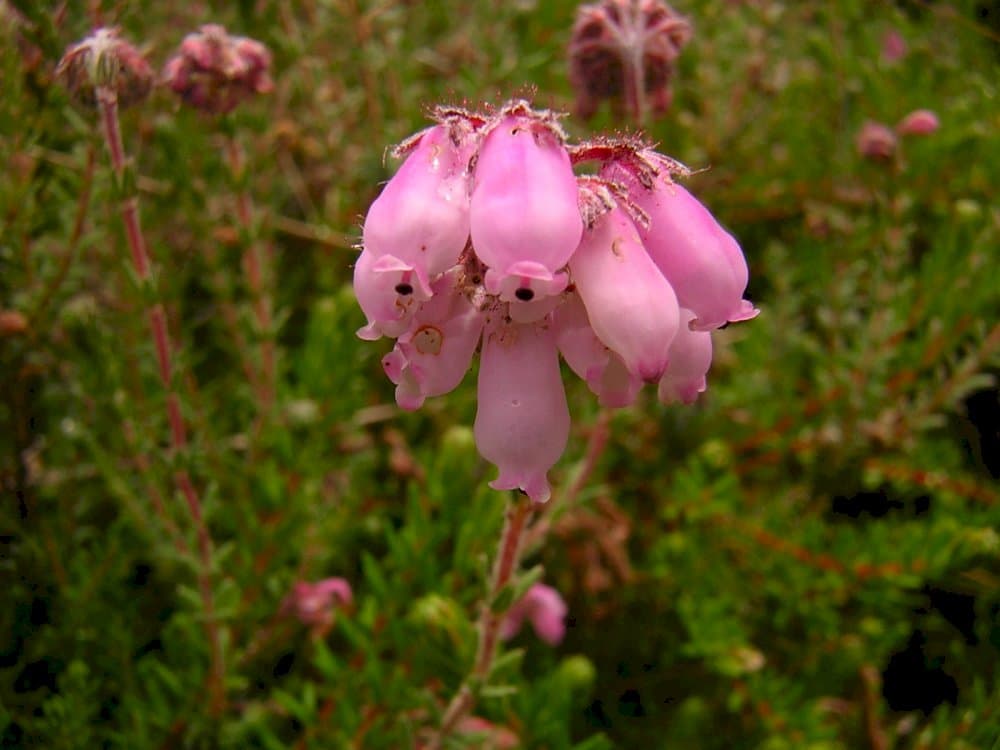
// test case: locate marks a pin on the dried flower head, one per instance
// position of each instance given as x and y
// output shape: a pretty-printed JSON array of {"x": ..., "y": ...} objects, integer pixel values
[
  {"x": 625, "y": 50},
  {"x": 105, "y": 63},
  {"x": 215, "y": 72}
]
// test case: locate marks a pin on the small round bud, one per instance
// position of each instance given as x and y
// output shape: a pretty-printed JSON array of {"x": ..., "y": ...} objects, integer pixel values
[
  {"x": 215, "y": 72},
  {"x": 918, "y": 122},
  {"x": 105, "y": 62},
  {"x": 12, "y": 323},
  {"x": 876, "y": 141}
]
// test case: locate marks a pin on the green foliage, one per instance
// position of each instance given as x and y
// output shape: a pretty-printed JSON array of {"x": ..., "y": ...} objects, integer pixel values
[{"x": 807, "y": 558}]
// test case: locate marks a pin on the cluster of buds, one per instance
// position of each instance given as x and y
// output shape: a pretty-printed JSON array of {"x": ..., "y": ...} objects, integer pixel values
[
  {"x": 878, "y": 142},
  {"x": 625, "y": 50},
  {"x": 486, "y": 234},
  {"x": 215, "y": 72}
]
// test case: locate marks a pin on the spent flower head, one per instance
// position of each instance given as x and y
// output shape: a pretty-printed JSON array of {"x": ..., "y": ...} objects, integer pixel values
[
  {"x": 214, "y": 71},
  {"x": 625, "y": 50},
  {"x": 486, "y": 239},
  {"x": 104, "y": 62}
]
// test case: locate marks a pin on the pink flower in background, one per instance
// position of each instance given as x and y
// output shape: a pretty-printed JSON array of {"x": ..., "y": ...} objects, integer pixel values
[
  {"x": 894, "y": 46},
  {"x": 314, "y": 603},
  {"x": 486, "y": 238},
  {"x": 876, "y": 142},
  {"x": 544, "y": 608},
  {"x": 918, "y": 122},
  {"x": 215, "y": 72}
]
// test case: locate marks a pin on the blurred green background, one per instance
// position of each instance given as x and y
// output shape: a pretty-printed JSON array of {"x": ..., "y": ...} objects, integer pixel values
[{"x": 805, "y": 559}]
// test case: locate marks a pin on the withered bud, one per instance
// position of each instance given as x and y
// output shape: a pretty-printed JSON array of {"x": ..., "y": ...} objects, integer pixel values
[
  {"x": 105, "y": 61},
  {"x": 625, "y": 50},
  {"x": 12, "y": 323},
  {"x": 215, "y": 72},
  {"x": 876, "y": 142}
]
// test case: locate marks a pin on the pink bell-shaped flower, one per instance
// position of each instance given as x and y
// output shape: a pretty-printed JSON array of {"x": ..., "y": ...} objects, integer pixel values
[
  {"x": 603, "y": 370},
  {"x": 700, "y": 259},
  {"x": 690, "y": 358},
  {"x": 544, "y": 607},
  {"x": 422, "y": 215},
  {"x": 524, "y": 216},
  {"x": 433, "y": 356},
  {"x": 522, "y": 419},
  {"x": 631, "y": 306},
  {"x": 388, "y": 292}
]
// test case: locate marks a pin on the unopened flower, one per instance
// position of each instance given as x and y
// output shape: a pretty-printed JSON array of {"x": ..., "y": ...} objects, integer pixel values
[
  {"x": 314, "y": 603},
  {"x": 918, "y": 122},
  {"x": 12, "y": 323},
  {"x": 214, "y": 71},
  {"x": 876, "y": 142},
  {"x": 596, "y": 268},
  {"x": 544, "y": 608},
  {"x": 625, "y": 50},
  {"x": 488, "y": 736},
  {"x": 104, "y": 62}
]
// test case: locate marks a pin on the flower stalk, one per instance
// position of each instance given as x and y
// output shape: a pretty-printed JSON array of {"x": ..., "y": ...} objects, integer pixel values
[{"x": 518, "y": 513}]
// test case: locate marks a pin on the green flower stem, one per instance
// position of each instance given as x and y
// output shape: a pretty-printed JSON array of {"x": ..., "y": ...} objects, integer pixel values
[
  {"x": 125, "y": 186},
  {"x": 519, "y": 510}
]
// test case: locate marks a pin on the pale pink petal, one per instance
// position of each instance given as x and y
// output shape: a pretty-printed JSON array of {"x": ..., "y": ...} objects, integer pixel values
[
  {"x": 522, "y": 420},
  {"x": 389, "y": 292},
  {"x": 432, "y": 357},
  {"x": 690, "y": 359},
  {"x": 631, "y": 306},
  {"x": 918, "y": 122},
  {"x": 544, "y": 607},
  {"x": 699, "y": 258},
  {"x": 524, "y": 209},
  {"x": 605, "y": 372},
  {"x": 422, "y": 214}
]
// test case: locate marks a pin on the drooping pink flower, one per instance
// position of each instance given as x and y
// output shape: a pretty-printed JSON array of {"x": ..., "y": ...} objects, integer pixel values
[
  {"x": 701, "y": 260},
  {"x": 432, "y": 357},
  {"x": 525, "y": 220},
  {"x": 313, "y": 603},
  {"x": 544, "y": 608},
  {"x": 690, "y": 358},
  {"x": 522, "y": 419},
  {"x": 918, "y": 122},
  {"x": 876, "y": 141},
  {"x": 389, "y": 293},
  {"x": 422, "y": 215},
  {"x": 631, "y": 306},
  {"x": 603, "y": 370}
]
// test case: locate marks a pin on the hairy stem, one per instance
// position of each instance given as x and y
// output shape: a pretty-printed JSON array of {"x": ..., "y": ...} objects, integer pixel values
[
  {"x": 508, "y": 555},
  {"x": 124, "y": 184}
]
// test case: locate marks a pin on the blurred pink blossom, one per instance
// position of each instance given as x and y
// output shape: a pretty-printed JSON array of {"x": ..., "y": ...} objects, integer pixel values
[
  {"x": 876, "y": 142},
  {"x": 314, "y": 603},
  {"x": 918, "y": 122},
  {"x": 894, "y": 46},
  {"x": 544, "y": 608}
]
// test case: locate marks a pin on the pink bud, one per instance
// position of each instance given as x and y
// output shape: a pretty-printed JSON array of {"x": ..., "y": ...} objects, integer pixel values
[
  {"x": 876, "y": 141},
  {"x": 432, "y": 357},
  {"x": 631, "y": 306},
  {"x": 690, "y": 358},
  {"x": 422, "y": 215},
  {"x": 918, "y": 122},
  {"x": 700, "y": 259},
  {"x": 525, "y": 220},
  {"x": 522, "y": 420},
  {"x": 605, "y": 373},
  {"x": 545, "y": 609},
  {"x": 389, "y": 292},
  {"x": 313, "y": 603}
]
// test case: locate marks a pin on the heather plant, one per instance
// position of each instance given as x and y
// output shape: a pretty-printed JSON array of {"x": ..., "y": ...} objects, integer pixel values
[{"x": 224, "y": 526}]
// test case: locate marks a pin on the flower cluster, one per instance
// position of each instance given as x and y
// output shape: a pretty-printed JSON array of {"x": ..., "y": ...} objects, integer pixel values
[
  {"x": 105, "y": 61},
  {"x": 487, "y": 239},
  {"x": 214, "y": 71}
]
